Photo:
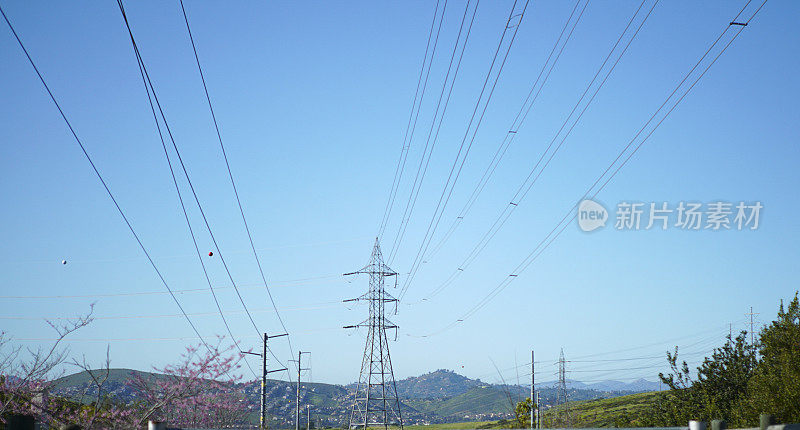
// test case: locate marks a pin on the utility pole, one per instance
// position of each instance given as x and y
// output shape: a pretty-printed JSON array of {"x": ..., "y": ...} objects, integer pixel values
[
  {"x": 376, "y": 402},
  {"x": 297, "y": 406},
  {"x": 308, "y": 417},
  {"x": 263, "y": 415},
  {"x": 533, "y": 399}
]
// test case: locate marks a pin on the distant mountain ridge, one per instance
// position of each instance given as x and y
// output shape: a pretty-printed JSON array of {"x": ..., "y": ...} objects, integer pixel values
[
  {"x": 638, "y": 386},
  {"x": 436, "y": 397}
]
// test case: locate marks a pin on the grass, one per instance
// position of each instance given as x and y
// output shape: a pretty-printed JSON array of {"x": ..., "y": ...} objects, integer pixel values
[
  {"x": 475, "y": 400},
  {"x": 451, "y": 426},
  {"x": 622, "y": 411}
]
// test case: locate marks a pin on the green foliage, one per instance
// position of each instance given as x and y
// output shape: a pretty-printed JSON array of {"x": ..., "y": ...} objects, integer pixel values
[
  {"x": 775, "y": 387},
  {"x": 435, "y": 385},
  {"x": 736, "y": 384},
  {"x": 721, "y": 381},
  {"x": 622, "y": 411},
  {"x": 450, "y": 426},
  {"x": 477, "y": 400},
  {"x": 522, "y": 413},
  {"x": 505, "y": 424}
]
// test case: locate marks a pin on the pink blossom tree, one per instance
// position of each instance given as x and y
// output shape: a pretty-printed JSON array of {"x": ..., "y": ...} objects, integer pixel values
[
  {"x": 202, "y": 390},
  {"x": 27, "y": 374}
]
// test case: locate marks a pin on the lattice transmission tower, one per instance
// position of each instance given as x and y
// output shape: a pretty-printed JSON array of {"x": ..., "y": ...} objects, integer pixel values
[
  {"x": 561, "y": 394},
  {"x": 376, "y": 402}
]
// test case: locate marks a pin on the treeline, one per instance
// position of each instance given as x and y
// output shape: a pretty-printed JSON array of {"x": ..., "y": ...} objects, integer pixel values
[{"x": 738, "y": 382}]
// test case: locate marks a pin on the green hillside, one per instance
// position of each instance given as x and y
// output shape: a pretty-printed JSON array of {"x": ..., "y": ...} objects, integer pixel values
[
  {"x": 115, "y": 376},
  {"x": 623, "y": 411},
  {"x": 324, "y": 395},
  {"x": 438, "y": 384},
  {"x": 478, "y": 403},
  {"x": 485, "y": 399},
  {"x": 451, "y": 426},
  {"x": 437, "y": 397}
]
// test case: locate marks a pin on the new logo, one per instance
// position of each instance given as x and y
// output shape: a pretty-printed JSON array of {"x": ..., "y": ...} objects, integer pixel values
[{"x": 591, "y": 215}]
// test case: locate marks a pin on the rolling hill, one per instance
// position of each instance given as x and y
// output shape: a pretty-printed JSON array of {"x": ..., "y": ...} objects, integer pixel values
[
  {"x": 441, "y": 396},
  {"x": 621, "y": 411}
]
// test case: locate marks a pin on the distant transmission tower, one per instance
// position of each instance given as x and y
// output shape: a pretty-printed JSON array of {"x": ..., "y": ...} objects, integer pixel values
[
  {"x": 752, "y": 329},
  {"x": 376, "y": 403},
  {"x": 561, "y": 395}
]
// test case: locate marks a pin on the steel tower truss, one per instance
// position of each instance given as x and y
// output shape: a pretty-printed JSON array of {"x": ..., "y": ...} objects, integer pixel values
[{"x": 376, "y": 402}]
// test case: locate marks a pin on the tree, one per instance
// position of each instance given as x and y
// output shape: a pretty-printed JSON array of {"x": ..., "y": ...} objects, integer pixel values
[
  {"x": 27, "y": 375},
  {"x": 522, "y": 413},
  {"x": 723, "y": 378},
  {"x": 200, "y": 391},
  {"x": 678, "y": 405},
  {"x": 736, "y": 383},
  {"x": 96, "y": 408},
  {"x": 721, "y": 383},
  {"x": 775, "y": 386}
]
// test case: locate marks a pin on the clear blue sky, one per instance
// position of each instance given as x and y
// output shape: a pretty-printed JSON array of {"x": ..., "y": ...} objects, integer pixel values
[{"x": 313, "y": 99}]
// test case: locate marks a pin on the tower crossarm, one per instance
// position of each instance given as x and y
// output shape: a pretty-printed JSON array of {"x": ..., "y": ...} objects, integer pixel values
[{"x": 376, "y": 403}]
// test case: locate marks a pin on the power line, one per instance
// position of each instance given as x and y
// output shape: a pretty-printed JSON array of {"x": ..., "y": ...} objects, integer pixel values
[
  {"x": 651, "y": 364},
  {"x": 233, "y": 183},
  {"x": 102, "y": 181},
  {"x": 648, "y": 362},
  {"x": 404, "y": 149},
  {"x": 444, "y": 198},
  {"x": 622, "y": 369},
  {"x": 182, "y": 291},
  {"x": 553, "y": 362},
  {"x": 424, "y": 161},
  {"x": 525, "y": 187},
  {"x": 600, "y": 354},
  {"x": 505, "y": 386},
  {"x": 189, "y": 181},
  {"x": 461, "y": 146},
  {"x": 148, "y": 87},
  {"x": 176, "y": 256},
  {"x": 180, "y": 159},
  {"x": 512, "y": 130},
  {"x": 584, "y": 358},
  {"x": 148, "y": 339},
  {"x": 544, "y": 243},
  {"x": 308, "y": 307}
]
